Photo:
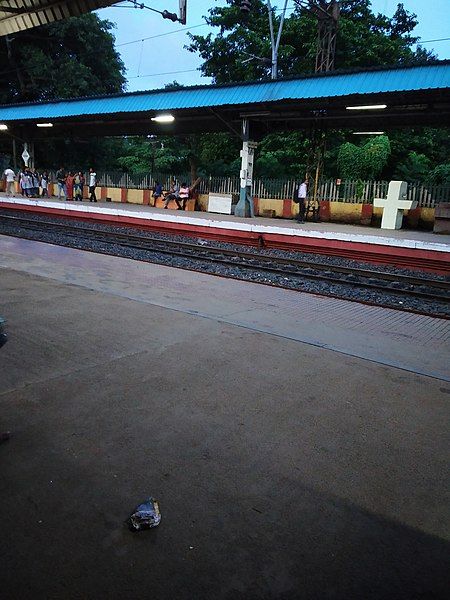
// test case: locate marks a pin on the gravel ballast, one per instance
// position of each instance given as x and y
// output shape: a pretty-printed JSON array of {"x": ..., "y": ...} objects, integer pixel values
[{"x": 346, "y": 289}]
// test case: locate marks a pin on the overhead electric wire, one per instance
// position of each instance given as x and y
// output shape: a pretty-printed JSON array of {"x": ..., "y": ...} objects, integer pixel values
[
  {"x": 161, "y": 74},
  {"x": 429, "y": 41},
  {"x": 152, "y": 37}
]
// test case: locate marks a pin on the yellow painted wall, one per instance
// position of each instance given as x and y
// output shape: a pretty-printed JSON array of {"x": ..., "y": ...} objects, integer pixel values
[
  {"x": 135, "y": 196},
  {"x": 115, "y": 194},
  {"x": 377, "y": 212},
  {"x": 342, "y": 212},
  {"x": 203, "y": 201},
  {"x": 271, "y": 204},
  {"x": 426, "y": 214}
]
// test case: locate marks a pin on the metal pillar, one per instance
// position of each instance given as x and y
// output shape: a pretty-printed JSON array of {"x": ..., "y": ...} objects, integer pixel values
[
  {"x": 14, "y": 156},
  {"x": 314, "y": 168},
  {"x": 327, "y": 13},
  {"x": 275, "y": 43},
  {"x": 31, "y": 151},
  {"x": 244, "y": 208},
  {"x": 328, "y": 19}
]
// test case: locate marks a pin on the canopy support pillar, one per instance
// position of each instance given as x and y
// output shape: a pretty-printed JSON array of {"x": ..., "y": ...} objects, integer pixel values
[{"x": 244, "y": 207}]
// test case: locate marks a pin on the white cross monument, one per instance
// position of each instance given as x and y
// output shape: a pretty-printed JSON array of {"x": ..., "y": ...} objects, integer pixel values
[{"x": 394, "y": 205}]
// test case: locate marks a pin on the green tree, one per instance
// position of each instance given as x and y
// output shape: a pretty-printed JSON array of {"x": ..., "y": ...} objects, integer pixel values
[
  {"x": 416, "y": 167},
  {"x": 163, "y": 154},
  {"x": 73, "y": 57},
  {"x": 364, "y": 39},
  {"x": 366, "y": 161}
]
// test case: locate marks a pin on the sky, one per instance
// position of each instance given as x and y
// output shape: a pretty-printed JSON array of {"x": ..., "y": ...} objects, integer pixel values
[{"x": 154, "y": 62}]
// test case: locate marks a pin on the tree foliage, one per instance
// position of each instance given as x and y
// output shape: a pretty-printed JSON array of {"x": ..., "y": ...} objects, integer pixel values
[
  {"x": 415, "y": 167},
  {"x": 364, "y": 39},
  {"x": 366, "y": 161},
  {"x": 73, "y": 57}
]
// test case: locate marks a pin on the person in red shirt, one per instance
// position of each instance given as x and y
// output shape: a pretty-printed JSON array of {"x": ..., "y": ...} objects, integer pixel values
[{"x": 69, "y": 186}]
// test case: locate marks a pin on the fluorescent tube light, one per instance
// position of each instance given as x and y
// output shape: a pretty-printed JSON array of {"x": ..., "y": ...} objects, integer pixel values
[
  {"x": 44, "y": 124},
  {"x": 164, "y": 119},
  {"x": 368, "y": 132},
  {"x": 262, "y": 113},
  {"x": 367, "y": 107}
]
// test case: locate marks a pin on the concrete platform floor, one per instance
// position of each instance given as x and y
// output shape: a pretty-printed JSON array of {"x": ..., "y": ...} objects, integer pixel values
[{"x": 284, "y": 470}]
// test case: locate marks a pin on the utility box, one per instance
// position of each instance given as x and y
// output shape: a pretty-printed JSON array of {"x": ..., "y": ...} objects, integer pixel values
[{"x": 220, "y": 203}]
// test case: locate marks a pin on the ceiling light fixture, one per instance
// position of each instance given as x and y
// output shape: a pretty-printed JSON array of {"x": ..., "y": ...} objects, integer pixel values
[
  {"x": 164, "y": 119},
  {"x": 3, "y": 127},
  {"x": 262, "y": 113},
  {"x": 44, "y": 124},
  {"x": 367, "y": 107}
]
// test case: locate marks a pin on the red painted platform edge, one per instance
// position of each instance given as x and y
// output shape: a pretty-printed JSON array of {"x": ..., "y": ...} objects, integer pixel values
[{"x": 425, "y": 260}]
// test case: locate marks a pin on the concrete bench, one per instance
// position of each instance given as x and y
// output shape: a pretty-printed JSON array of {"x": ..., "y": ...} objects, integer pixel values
[{"x": 190, "y": 204}]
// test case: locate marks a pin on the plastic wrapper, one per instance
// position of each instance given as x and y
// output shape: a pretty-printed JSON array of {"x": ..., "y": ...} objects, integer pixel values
[{"x": 145, "y": 516}]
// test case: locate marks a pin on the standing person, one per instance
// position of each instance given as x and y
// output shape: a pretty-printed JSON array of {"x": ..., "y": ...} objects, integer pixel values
[
  {"x": 22, "y": 182},
  {"x": 92, "y": 184},
  {"x": 44, "y": 184},
  {"x": 69, "y": 186},
  {"x": 35, "y": 181},
  {"x": 184, "y": 194},
  {"x": 300, "y": 194},
  {"x": 9, "y": 180},
  {"x": 28, "y": 183},
  {"x": 78, "y": 186},
  {"x": 61, "y": 179}
]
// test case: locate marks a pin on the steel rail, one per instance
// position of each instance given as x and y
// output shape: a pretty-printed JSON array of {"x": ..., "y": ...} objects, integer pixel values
[{"x": 249, "y": 260}]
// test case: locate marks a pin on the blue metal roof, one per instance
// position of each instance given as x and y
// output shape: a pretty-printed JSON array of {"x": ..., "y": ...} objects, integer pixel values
[{"x": 434, "y": 76}]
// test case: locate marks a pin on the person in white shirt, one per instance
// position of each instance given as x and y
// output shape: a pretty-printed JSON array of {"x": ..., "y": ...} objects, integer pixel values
[
  {"x": 92, "y": 184},
  {"x": 9, "y": 177},
  {"x": 300, "y": 194}
]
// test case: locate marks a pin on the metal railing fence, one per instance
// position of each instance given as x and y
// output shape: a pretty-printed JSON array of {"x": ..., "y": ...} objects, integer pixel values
[{"x": 346, "y": 191}]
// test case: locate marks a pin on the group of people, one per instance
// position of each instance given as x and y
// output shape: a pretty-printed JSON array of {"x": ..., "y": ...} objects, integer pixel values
[
  {"x": 71, "y": 184},
  {"x": 30, "y": 182},
  {"x": 176, "y": 192},
  {"x": 33, "y": 184}
]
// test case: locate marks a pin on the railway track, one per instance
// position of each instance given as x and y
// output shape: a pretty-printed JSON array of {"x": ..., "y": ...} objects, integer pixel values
[{"x": 412, "y": 286}]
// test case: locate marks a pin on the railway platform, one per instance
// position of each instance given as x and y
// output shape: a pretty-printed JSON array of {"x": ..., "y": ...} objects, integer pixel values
[
  {"x": 295, "y": 443},
  {"x": 404, "y": 248}
]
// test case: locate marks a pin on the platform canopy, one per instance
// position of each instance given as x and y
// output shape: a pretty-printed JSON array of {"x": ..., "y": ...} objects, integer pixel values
[
  {"x": 366, "y": 100},
  {"x": 18, "y": 15}
]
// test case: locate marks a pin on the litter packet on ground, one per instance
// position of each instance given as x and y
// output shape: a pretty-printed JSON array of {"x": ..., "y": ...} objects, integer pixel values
[{"x": 145, "y": 516}]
